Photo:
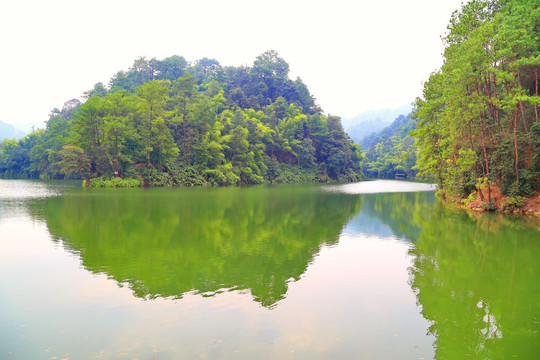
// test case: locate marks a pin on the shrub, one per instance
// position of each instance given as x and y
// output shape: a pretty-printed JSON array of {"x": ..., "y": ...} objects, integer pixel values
[
  {"x": 489, "y": 206},
  {"x": 154, "y": 177},
  {"x": 215, "y": 177},
  {"x": 114, "y": 182},
  {"x": 512, "y": 203},
  {"x": 183, "y": 175}
]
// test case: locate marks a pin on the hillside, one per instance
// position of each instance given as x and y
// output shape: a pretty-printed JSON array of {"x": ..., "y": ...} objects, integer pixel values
[
  {"x": 372, "y": 121},
  {"x": 391, "y": 152},
  {"x": 169, "y": 123},
  {"x": 478, "y": 121},
  {"x": 8, "y": 131}
]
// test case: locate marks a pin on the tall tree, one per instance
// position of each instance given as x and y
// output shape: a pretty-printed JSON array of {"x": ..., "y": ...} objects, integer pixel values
[{"x": 151, "y": 101}]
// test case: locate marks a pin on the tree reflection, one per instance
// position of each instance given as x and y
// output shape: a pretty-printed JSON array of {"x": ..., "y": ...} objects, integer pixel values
[
  {"x": 397, "y": 214},
  {"x": 165, "y": 243},
  {"x": 476, "y": 278}
]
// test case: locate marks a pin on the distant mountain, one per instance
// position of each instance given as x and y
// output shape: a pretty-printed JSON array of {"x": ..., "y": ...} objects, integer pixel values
[
  {"x": 400, "y": 127},
  {"x": 391, "y": 152},
  {"x": 8, "y": 131},
  {"x": 372, "y": 121}
]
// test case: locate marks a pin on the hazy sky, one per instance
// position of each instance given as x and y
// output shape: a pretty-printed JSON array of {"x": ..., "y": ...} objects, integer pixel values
[{"x": 353, "y": 55}]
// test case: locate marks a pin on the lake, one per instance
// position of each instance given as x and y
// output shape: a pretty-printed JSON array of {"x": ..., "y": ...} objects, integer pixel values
[{"x": 373, "y": 270}]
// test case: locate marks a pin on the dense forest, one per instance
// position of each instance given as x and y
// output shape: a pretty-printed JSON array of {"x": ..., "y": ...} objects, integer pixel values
[
  {"x": 168, "y": 122},
  {"x": 478, "y": 124},
  {"x": 391, "y": 153}
]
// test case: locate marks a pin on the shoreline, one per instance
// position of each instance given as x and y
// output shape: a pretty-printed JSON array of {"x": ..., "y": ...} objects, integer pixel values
[{"x": 501, "y": 204}]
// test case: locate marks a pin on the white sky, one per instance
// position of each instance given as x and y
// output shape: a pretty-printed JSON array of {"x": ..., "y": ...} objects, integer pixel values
[{"x": 353, "y": 55}]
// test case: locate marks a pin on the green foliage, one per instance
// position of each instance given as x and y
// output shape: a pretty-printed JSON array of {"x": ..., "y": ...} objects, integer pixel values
[
  {"x": 489, "y": 206},
  {"x": 171, "y": 124},
  {"x": 215, "y": 177},
  {"x": 478, "y": 117},
  {"x": 155, "y": 177},
  {"x": 182, "y": 175},
  {"x": 364, "y": 127},
  {"x": 293, "y": 174},
  {"x": 36, "y": 155},
  {"x": 74, "y": 160},
  {"x": 512, "y": 203},
  {"x": 392, "y": 151},
  {"x": 114, "y": 182},
  {"x": 469, "y": 199}
]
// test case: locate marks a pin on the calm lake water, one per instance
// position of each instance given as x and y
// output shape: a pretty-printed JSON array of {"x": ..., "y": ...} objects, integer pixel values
[{"x": 374, "y": 270}]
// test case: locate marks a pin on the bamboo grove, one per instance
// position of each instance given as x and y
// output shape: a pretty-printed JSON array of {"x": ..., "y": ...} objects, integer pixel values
[
  {"x": 168, "y": 123},
  {"x": 478, "y": 120}
]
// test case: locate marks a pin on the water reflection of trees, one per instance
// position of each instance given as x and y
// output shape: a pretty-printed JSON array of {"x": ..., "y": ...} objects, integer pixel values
[
  {"x": 168, "y": 242},
  {"x": 402, "y": 214},
  {"x": 476, "y": 278},
  {"x": 475, "y": 275}
]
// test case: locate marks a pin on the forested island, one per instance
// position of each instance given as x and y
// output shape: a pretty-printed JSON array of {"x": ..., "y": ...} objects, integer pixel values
[
  {"x": 172, "y": 123},
  {"x": 478, "y": 127}
]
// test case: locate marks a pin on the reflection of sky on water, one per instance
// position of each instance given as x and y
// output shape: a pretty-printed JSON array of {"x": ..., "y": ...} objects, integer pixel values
[
  {"x": 381, "y": 187},
  {"x": 365, "y": 224},
  {"x": 372, "y": 220},
  {"x": 17, "y": 195},
  {"x": 23, "y": 190}
]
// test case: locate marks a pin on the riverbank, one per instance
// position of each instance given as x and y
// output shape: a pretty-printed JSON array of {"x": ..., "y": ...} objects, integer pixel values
[
  {"x": 190, "y": 176},
  {"x": 529, "y": 205}
]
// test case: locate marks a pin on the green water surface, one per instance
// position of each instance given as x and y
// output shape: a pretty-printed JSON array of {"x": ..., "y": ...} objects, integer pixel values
[{"x": 375, "y": 270}]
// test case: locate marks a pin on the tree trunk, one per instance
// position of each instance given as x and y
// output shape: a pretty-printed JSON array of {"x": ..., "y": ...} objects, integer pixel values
[
  {"x": 482, "y": 134},
  {"x": 472, "y": 148},
  {"x": 487, "y": 88},
  {"x": 485, "y": 154},
  {"x": 185, "y": 145},
  {"x": 115, "y": 161},
  {"x": 149, "y": 134},
  {"x": 496, "y": 108},
  {"x": 521, "y": 104},
  {"x": 536, "y": 92},
  {"x": 515, "y": 143}
]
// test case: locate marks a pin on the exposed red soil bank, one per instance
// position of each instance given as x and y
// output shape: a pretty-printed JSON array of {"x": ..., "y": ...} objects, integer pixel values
[{"x": 529, "y": 205}]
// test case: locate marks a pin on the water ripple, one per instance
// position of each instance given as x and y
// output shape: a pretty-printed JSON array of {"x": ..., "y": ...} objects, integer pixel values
[{"x": 26, "y": 189}]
